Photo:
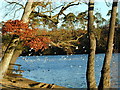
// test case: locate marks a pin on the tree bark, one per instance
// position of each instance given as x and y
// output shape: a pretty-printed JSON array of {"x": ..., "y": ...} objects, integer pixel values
[
  {"x": 7, "y": 56},
  {"x": 4, "y": 64},
  {"x": 90, "y": 74},
  {"x": 27, "y": 11},
  {"x": 25, "y": 18},
  {"x": 15, "y": 55},
  {"x": 105, "y": 72}
]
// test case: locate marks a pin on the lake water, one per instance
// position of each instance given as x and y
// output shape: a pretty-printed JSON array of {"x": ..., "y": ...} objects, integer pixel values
[{"x": 65, "y": 70}]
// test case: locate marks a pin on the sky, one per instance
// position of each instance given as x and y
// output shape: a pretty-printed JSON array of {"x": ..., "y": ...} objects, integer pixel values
[{"x": 100, "y": 6}]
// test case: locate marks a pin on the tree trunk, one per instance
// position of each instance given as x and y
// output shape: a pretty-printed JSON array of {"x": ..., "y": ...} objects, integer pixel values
[
  {"x": 7, "y": 56},
  {"x": 105, "y": 72},
  {"x": 4, "y": 64},
  {"x": 16, "y": 54},
  {"x": 25, "y": 18},
  {"x": 27, "y": 11},
  {"x": 90, "y": 74}
]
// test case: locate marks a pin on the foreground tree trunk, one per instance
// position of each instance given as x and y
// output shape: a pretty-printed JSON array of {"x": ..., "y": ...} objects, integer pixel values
[
  {"x": 7, "y": 56},
  {"x": 90, "y": 74},
  {"x": 15, "y": 55},
  {"x": 105, "y": 72},
  {"x": 4, "y": 64},
  {"x": 24, "y": 18}
]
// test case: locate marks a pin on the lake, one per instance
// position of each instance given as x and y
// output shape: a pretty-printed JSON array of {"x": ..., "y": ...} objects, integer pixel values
[{"x": 65, "y": 70}]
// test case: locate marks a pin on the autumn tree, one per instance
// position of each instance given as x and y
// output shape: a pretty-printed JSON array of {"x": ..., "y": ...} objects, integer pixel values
[
  {"x": 28, "y": 9},
  {"x": 40, "y": 14},
  {"x": 27, "y": 36},
  {"x": 4, "y": 63}
]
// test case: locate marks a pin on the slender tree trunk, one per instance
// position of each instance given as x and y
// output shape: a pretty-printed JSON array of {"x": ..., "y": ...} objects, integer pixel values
[
  {"x": 25, "y": 18},
  {"x": 105, "y": 72},
  {"x": 90, "y": 74},
  {"x": 4, "y": 64},
  {"x": 15, "y": 55},
  {"x": 27, "y": 11},
  {"x": 7, "y": 56}
]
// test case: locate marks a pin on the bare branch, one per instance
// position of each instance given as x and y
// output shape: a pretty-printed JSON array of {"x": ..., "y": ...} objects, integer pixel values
[
  {"x": 74, "y": 41},
  {"x": 107, "y": 3},
  {"x": 45, "y": 16},
  {"x": 52, "y": 18},
  {"x": 15, "y": 3},
  {"x": 64, "y": 44},
  {"x": 72, "y": 2},
  {"x": 64, "y": 8},
  {"x": 57, "y": 7},
  {"x": 10, "y": 11},
  {"x": 45, "y": 11},
  {"x": 16, "y": 11}
]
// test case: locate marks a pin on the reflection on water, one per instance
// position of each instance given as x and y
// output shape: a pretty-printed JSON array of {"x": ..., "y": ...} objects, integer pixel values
[{"x": 64, "y": 70}]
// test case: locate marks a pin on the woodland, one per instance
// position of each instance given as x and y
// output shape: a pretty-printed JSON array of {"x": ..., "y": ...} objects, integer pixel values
[
  {"x": 38, "y": 33},
  {"x": 68, "y": 38}
]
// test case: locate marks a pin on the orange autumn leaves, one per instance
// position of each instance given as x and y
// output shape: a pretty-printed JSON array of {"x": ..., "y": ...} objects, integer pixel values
[{"x": 29, "y": 36}]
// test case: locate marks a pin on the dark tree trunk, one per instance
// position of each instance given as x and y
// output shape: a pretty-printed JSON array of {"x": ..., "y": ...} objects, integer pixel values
[
  {"x": 90, "y": 74},
  {"x": 105, "y": 72}
]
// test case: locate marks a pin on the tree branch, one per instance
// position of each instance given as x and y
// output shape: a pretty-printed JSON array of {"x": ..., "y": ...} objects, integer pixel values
[
  {"x": 16, "y": 11},
  {"x": 57, "y": 15},
  {"x": 15, "y": 3},
  {"x": 45, "y": 16},
  {"x": 67, "y": 43},
  {"x": 12, "y": 8},
  {"x": 57, "y": 7},
  {"x": 64, "y": 8}
]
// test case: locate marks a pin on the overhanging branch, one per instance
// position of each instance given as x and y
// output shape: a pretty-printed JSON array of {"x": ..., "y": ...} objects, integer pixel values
[
  {"x": 64, "y": 8},
  {"x": 15, "y": 3},
  {"x": 64, "y": 44},
  {"x": 45, "y": 16},
  {"x": 55, "y": 18}
]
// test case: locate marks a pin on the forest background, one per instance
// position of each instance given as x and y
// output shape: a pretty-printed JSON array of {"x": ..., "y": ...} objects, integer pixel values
[{"x": 69, "y": 35}]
